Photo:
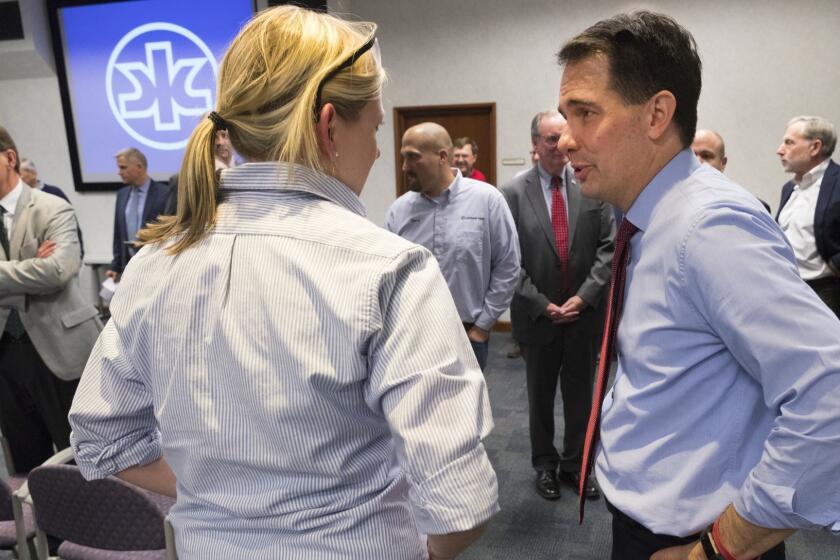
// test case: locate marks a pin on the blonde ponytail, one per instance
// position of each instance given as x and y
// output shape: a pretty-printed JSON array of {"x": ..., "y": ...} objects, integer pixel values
[{"x": 268, "y": 81}]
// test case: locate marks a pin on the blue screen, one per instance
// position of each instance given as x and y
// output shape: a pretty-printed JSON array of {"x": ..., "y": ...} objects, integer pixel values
[{"x": 141, "y": 74}]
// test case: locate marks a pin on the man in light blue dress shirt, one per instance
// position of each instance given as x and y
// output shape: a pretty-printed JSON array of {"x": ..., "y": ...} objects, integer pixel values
[
  {"x": 465, "y": 223},
  {"x": 726, "y": 404}
]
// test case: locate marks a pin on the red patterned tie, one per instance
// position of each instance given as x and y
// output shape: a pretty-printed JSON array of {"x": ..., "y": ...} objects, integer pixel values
[
  {"x": 619, "y": 267},
  {"x": 560, "y": 226}
]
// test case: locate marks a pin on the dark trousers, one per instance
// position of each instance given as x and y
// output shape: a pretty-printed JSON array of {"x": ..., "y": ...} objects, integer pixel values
[
  {"x": 829, "y": 291},
  {"x": 569, "y": 358},
  {"x": 632, "y": 541},
  {"x": 481, "y": 349},
  {"x": 33, "y": 404}
]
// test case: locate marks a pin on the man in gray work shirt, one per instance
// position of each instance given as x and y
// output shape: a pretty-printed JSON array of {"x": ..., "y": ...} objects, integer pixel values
[{"x": 467, "y": 226}]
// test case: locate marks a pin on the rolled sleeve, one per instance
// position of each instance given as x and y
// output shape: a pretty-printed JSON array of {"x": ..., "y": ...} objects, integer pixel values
[
  {"x": 112, "y": 416},
  {"x": 426, "y": 381},
  {"x": 792, "y": 350},
  {"x": 437, "y": 502}
]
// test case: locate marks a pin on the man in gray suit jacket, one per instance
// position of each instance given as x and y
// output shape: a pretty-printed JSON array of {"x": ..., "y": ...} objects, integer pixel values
[
  {"x": 556, "y": 311},
  {"x": 48, "y": 327}
]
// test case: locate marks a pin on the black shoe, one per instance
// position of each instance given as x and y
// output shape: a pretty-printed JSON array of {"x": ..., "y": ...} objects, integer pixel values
[
  {"x": 590, "y": 491},
  {"x": 547, "y": 485}
]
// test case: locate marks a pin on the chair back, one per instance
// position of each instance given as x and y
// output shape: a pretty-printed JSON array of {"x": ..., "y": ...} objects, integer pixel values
[{"x": 108, "y": 514}]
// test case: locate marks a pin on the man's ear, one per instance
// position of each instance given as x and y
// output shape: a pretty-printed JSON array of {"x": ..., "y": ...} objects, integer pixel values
[
  {"x": 661, "y": 108},
  {"x": 816, "y": 148},
  {"x": 12, "y": 156},
  {"x": 324, "y": 130}
]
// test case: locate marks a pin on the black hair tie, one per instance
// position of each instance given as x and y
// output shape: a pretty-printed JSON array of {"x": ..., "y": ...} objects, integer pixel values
[{"x": 218, "y": 122}]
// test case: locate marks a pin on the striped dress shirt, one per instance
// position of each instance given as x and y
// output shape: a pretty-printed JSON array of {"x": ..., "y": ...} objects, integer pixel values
[{"x": 303, "y": 372}]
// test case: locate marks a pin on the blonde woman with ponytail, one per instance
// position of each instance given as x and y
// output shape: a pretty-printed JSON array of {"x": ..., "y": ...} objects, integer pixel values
[{"x": 297, "y": 376}]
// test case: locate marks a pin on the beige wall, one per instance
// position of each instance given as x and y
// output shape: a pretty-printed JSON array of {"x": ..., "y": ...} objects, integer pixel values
[{"x": 758, "y": 73}]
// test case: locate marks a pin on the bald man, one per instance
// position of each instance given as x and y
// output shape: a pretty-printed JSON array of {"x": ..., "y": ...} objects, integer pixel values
[
  {"x": 467, "y": 227},
  {"x": 709, "y": 148}
]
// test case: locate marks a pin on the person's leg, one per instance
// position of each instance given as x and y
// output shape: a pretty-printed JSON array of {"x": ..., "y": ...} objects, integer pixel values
[
  {"x": 576, "y": 378},
  {"x": 22, "y": 426},
  {"x": 53, "y": 398},
  {"x": 542, "y": 364},
  {"x": 481, "y": 349}
]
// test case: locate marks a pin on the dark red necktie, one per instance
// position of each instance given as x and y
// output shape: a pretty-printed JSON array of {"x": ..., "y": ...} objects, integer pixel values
[
  {"x": 560, "y": 227},
  {"x": 619, "y": 267}
]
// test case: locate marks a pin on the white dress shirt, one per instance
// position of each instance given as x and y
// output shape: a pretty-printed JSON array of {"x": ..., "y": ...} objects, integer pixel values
[
  {"x": 545, "y": 183},
  {"x": 797, "y": 221},
  {"x": 9, "y": 204}
]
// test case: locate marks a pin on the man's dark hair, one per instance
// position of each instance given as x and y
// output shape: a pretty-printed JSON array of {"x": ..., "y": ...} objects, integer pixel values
[
  {"x": 463, "y": 141},
  {"x": 6, "y": 143},
  {"x": 647, "y": 53}
]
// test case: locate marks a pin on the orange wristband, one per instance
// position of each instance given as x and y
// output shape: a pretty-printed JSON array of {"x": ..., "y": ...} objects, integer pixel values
[{"x": 719, "y": 542}]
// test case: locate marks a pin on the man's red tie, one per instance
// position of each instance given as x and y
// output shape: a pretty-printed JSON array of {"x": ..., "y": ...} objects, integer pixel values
[
  {"x": 560, "y": 226},
  {"x": 619, "y": 267}
]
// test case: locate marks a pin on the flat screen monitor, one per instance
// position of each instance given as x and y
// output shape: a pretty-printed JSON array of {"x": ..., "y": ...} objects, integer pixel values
[{"x": 138, "y": 73}]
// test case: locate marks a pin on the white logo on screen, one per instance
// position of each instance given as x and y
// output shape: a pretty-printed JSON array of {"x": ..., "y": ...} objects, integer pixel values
[{"x": 141, "y": 115}]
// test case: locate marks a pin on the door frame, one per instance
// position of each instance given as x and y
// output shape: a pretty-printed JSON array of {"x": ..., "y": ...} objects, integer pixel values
[{"x": 431, "y": 111}]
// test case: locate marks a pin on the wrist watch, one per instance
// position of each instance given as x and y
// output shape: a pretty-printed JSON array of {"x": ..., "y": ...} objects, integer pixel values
[{"x": 708, "y": 547}]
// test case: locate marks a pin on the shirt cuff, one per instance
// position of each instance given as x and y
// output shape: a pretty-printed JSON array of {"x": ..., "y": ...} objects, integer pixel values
[
  {"x": 485, "y": 322},
  {"x": 773, "y": 507},
  {"x": 95, "y": 461},
  {"x": 462, "y": 495}
]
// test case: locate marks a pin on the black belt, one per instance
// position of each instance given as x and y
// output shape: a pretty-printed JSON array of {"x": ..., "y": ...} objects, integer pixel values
[{"x": 468, "y": 326}]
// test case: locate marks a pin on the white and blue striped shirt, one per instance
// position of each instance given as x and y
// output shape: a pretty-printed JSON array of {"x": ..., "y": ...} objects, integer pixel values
[{"x": 303, "y": 372}]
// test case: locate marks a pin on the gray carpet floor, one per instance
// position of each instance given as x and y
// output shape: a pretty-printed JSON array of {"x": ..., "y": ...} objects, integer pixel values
[{"x": 529, "y": 527}]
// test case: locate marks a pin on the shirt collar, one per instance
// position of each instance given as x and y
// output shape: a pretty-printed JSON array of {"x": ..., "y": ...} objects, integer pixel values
[
  {"x": 451, "y": 190},
  {"x": 273, "y": 176},
  {"x": 678, "y": 169},
  {"x": 455, "y": 186},
  {"x": 9, "y": 202},
  {"x": 813, "y": 176},
  {"x": 545, "y": 177},
  {"x": 144, "y": 188}
]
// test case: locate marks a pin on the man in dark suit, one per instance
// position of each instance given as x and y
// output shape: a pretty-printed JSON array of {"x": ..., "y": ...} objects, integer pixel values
[
  {"x": 139, "y": 202},
  {"x": 567, "y": 245},
  {"x": 809, "y": 212}
]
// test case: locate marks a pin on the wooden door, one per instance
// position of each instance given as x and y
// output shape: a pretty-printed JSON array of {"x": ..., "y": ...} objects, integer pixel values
[{"x": 476, "y": 120}]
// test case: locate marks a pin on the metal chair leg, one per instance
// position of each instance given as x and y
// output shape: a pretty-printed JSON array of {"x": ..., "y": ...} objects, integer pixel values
[{"x": 169, "y": 535}]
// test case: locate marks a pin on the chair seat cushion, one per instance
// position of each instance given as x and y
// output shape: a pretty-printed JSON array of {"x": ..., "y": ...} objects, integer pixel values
[
  {"x": 73, "y": 551},
  {"x": 8, "y": 536}
]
